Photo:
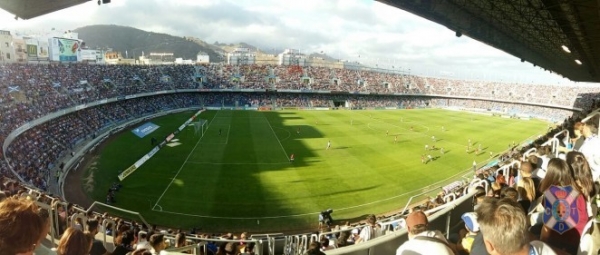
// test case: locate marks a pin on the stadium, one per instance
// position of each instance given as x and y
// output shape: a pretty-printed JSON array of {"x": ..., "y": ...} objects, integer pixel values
[{"x": 301, "y": 158}]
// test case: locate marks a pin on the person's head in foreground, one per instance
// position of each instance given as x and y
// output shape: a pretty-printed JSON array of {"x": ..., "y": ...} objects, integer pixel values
[
  {"x": 504, "y": 225},
  {"x": 21, "y": 227}
]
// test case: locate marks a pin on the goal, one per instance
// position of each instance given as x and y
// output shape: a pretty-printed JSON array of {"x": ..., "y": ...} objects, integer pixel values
[{"x": 200, "y": 127}]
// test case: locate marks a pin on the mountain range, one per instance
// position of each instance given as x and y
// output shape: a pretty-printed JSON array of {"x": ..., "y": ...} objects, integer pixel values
[{"x": 132, "y": 43}]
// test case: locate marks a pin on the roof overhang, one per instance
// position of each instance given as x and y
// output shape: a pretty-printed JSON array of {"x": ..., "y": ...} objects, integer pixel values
[
  {"x": 27, "y": 9},
  {"x": 532, "y": 30}
]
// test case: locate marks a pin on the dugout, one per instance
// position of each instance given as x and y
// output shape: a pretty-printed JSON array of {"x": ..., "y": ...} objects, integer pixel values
[{"x": 341, "y": 103}]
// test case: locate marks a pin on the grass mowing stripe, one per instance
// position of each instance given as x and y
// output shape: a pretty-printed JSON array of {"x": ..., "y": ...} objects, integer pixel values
[{"x": 241, "y": 178}]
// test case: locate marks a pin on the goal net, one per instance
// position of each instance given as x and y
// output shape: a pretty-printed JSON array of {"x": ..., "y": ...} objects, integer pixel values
[{"x": 200, "y": 127}]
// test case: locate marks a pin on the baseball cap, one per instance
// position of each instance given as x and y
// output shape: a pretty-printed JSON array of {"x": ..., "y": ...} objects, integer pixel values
[
  {"x": 470, "y": 220},
  {"x": 416, "y": 218}
]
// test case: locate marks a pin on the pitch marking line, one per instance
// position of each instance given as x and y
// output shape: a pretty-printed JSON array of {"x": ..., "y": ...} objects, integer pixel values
[
  {"x": 227, "y": 138},
  {"x": 284, "y": 152},
  {"x": 433, "y": 186},
  {"x": 238, "y": 163},
  {"x": 289, "y": 134},
  {"x": 183, "y": 164}
]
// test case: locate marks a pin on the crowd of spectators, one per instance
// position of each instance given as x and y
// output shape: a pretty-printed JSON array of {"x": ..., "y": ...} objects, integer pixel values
[
  {"x": 522, "y": 196},
  {"x": 24, "y": 224},
  {"x": 32, "y": 91}
]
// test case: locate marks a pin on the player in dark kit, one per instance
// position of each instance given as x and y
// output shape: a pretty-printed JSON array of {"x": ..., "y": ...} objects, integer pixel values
[{"x": 219, "y": 132}]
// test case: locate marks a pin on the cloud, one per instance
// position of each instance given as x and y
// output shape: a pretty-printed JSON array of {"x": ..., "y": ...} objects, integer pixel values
[{"x": 381, "y": 35}]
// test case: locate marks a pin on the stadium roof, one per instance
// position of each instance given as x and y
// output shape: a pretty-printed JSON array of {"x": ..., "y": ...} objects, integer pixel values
[
  {"x": 532, "y": 30},
  {"x": 27, "y": 9}
]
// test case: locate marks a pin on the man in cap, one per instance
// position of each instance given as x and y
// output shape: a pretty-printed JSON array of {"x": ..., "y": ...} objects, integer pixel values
[
  {"x": 421, "y": 240},
  {"x": 472, "y": 227}
]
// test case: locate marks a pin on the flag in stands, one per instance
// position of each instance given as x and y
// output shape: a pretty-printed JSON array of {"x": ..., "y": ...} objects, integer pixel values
[{"x": 562, "y": 214}]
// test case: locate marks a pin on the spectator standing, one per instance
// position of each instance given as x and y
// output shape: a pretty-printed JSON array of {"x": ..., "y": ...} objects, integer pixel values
[
  {"x": 124, "y": 243},
  {"x": 591, "y": 149},
  {"x": 370, "y": 231},
  {"x": 582, "y": 175},
  {"x": 157, "y": 241},
  {"x": 562, "y": 229},
  {"x": 97, "y": 245}
]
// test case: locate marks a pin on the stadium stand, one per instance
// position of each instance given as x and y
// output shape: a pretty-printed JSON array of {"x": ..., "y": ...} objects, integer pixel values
[{"x": 51, "y": 111}]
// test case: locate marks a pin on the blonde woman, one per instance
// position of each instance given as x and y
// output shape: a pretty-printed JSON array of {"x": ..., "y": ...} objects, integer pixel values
[{"x": 526, "y": 188}]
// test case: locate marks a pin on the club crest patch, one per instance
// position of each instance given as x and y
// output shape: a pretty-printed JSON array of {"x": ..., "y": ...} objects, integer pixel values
[{"x": 560, "y": 208}]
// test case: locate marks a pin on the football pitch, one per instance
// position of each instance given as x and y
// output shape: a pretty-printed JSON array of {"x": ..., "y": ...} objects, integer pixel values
[{"x": 238, "y": 175}]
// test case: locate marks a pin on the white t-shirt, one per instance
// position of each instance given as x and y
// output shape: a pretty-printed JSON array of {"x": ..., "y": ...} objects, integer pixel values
[
  {"x": 540, "y": 248},
  {"x": 591, "y": 150},
  {"x": 418, "y": 246},
  {"x": 367, "y": 233},
  {"x": 143, "y": 245}
]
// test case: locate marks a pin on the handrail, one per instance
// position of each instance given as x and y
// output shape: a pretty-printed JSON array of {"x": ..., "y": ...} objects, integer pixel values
[
  {"x": 477, "y": 182},
  {"x": 367, "y": 247},
  {"x": 527, "y": 153},
  {"x": 417, "y": 195},
  {"x": 181, "y": 250},
  {"x": 553, "y": 142},
  {"x": 119, "y": 209},
  {"x": 505, "y": 168},
  {"x": 451, "y": 195}
]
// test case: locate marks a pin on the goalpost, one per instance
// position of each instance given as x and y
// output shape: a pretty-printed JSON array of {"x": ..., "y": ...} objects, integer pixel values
[{"x": 200, "y": 127}]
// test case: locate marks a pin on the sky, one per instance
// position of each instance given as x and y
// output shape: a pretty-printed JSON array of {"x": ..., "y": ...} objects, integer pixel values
[{"x": 363, "y": 31}]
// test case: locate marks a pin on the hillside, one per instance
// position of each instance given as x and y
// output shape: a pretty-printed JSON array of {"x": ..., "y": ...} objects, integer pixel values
[{"x": 136, "y": 41}]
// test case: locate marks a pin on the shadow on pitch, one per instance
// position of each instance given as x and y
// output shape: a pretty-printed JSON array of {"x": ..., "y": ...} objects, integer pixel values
[
  {"x": 342, "y": 148},
  {"x": 311, "y": 180},
  {"x": 350, "y": 191}
]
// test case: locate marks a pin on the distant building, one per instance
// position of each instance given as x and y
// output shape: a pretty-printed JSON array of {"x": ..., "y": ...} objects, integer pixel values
[
  {"x": 241, "y": 56},
  {"x": 92, "y": 56},
  {"x": 20, "y": 50},
  {"x": 202, "y": 58},
  {"x": 7, "y": 52},
  {"x": 112, "y": 57},
  {"x": 161, "y": 57},
  {"x": 292, "y": 57},
  {"x": 181, "y": 61}
]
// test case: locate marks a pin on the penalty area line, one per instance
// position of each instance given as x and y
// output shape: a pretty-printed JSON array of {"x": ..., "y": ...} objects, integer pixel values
[{"x": 183, "y": 164}]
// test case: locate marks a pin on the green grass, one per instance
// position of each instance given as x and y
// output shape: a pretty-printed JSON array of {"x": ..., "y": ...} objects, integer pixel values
[{"x": 242, "y": 180}]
